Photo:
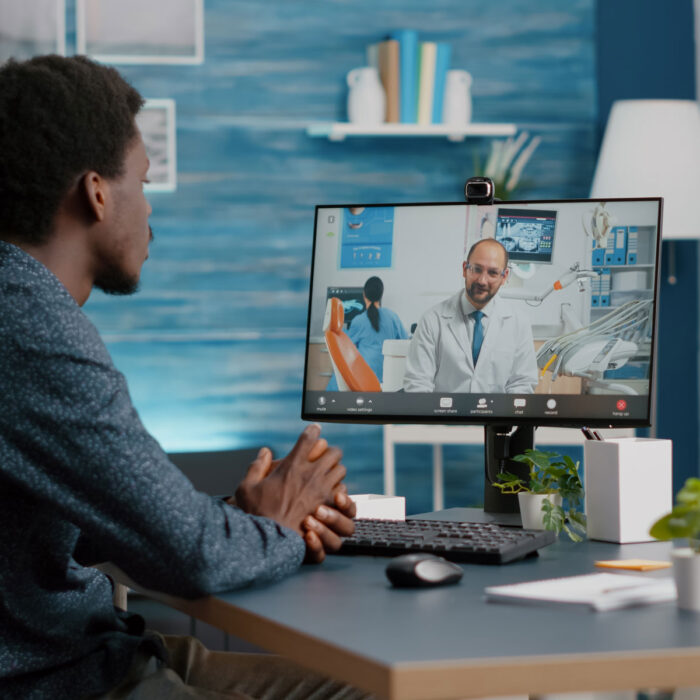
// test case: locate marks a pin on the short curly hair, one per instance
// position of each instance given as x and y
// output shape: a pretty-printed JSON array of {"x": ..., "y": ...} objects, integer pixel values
[{"x": 60, "y": 117}]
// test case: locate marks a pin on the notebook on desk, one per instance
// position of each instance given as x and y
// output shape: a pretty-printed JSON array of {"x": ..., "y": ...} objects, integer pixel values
[{"x": 598, "y": 592}]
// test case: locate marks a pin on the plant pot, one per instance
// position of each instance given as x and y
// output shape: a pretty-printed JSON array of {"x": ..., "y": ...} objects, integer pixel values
[
  {"x": 531, "y": 508},
  {"x": 686, "y": 572}
]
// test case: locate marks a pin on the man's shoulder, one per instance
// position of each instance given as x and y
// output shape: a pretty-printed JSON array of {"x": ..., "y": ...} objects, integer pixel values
[
  {"x": 447, "y": 307},
  {"x": 36, "y": 310}
]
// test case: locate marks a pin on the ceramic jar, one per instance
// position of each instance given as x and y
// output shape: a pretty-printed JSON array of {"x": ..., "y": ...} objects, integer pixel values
[
  {"x": 531, "y": 508},
  {"x": 457, "y": 104},
  {"x": 366, "y": 98},
  {"x": 686, "y": 572}
]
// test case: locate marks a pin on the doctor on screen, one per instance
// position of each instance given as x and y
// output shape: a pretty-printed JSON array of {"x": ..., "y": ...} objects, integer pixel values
[{"x": 474, "y": 342}]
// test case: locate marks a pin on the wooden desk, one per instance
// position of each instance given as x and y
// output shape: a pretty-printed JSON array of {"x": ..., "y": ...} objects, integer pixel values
[{"x": 344, "y": 619}]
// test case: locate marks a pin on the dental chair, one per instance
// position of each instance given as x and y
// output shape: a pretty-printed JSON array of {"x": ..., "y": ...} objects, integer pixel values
[{"x": 351, "y": 370}]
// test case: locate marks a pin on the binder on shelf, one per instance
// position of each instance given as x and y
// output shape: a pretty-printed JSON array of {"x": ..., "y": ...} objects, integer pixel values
[
  {"x": 609, "y": 248},
  {"x": 408, "y": 61},
  {"x": 605, "y": 280},
  {"x": 426, "y": 81},
  {"x": 620, "y": 253},
  {"x": 598, "y": 256},
  {"x": 632, "y": 245},
  {"x": 595, "y": 291},
  {"x": 442, "y": 65},
  {"x": 389, "y": 75}
]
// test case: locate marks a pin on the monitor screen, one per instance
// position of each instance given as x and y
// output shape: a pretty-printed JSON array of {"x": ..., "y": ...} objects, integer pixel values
[
  {"x": 527, "y": 234},
  {"x": 479, "y": 318},
  {"x": 352, "y": 299}
]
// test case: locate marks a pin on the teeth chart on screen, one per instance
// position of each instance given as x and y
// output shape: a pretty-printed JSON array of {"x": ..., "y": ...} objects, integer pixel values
[{"x": 516, "y": 311}]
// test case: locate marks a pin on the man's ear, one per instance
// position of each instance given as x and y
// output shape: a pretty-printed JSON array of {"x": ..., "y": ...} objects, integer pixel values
[{"x": 94, "y": 187}]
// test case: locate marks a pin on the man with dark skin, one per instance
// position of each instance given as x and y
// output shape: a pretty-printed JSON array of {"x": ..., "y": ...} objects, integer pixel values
[{"x": 81, "y": 480}]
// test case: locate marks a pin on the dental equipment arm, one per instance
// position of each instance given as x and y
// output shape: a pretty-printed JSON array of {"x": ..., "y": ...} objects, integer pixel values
[{"x": 565, "y": 280}]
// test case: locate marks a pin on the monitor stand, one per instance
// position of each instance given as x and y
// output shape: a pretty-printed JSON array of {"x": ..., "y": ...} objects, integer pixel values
[{"x": 501, "y": 443}]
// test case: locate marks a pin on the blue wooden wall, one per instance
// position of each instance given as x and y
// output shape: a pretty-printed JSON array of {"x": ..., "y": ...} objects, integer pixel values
[
  {"x": 642, "y": 53},
  {"x": 213, "y": 345}
]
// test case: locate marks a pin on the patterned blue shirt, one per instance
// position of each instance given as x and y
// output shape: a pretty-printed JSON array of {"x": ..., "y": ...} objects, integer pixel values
[{"x": 82, "y": 481}]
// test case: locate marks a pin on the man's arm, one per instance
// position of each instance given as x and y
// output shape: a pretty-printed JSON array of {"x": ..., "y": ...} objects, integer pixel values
[
  {"x": 421, "y": 362},
  {"x": 79, "y": 446}
]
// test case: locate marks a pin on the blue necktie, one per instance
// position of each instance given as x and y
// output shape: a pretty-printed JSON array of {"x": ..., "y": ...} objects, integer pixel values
[{"x": 478, "y": 335}]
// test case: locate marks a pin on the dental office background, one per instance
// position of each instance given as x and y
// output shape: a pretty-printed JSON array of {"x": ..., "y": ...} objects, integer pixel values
[{"x": 213, "y": 345}]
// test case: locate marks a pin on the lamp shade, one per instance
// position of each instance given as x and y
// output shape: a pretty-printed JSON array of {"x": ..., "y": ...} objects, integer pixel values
[{"x": 651, "y": 148}]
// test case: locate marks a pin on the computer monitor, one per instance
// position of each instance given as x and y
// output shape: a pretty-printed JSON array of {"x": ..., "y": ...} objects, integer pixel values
[
  {"x": 352, "y": 299},
  {"x": 527, "y": 234},
  {"x": 565, "y": 340}
]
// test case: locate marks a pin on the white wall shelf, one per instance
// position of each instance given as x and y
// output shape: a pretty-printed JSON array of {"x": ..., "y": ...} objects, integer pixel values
[{"x": 338, "y": 131}]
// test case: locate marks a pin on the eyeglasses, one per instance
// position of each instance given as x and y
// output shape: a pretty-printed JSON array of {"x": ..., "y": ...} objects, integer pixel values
[{"x": 491, "y": 272}]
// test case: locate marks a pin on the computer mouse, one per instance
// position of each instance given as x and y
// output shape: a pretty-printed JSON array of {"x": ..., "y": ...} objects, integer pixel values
[{"x": 422, "y": 570}]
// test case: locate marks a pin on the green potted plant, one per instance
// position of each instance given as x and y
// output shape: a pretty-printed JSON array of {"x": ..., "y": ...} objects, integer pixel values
[
  {"x": 553, "y": 479},
  {"x": 684, "y": 522},
  {"x": 505, "y": 163}
]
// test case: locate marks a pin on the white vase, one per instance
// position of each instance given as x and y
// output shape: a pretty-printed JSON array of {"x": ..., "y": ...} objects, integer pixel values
[
  {"x": 531, "y": 508},
  {"x": 366, "y": 98},
  {"x": 686, "y": 572},
  {"x": 457, "y": 103}
]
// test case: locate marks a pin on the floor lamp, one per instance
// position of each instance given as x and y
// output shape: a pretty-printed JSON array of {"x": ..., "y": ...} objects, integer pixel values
[{"x": 651, "y": 148}]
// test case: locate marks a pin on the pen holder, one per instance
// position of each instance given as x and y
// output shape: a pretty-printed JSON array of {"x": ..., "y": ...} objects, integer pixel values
[{"x": 628, "y": 486}]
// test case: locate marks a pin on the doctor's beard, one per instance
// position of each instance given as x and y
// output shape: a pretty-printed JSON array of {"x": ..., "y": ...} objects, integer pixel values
[{"x": 480, "y": 294}]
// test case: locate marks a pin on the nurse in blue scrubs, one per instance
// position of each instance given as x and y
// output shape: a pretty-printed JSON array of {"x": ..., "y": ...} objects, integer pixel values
[{"x": 370, "y": 329}]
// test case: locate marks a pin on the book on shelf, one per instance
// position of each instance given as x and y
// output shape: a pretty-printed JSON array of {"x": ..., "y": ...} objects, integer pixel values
[
  {"x": 408, "y": 80},
  {"x": 426, "y": 81},
  {"x": 598, "y": 592},
  {"x": 413, "y": 75},
  {"x": 389, "y": 75},
  {"x": 442, "y": 65}
]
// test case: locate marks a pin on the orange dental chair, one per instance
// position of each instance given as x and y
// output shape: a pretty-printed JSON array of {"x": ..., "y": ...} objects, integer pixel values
[{"x": 351, "y": 370}]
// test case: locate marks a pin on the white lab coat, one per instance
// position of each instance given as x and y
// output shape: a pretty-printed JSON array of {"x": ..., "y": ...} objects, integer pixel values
[{"x": 440, "y": 355}]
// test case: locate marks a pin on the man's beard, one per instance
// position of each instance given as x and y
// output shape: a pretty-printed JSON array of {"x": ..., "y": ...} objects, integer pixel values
[
  {"x": 113, "y": 281},
  {"x": 116, "y": 282},
  {"x": 472, "y": 293}
]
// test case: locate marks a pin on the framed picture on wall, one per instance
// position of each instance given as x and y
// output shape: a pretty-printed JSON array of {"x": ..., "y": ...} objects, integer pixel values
[
  {"x": 156, "y": 121},
  {"x": 32, "y": 27},
  {"x": 133, "y": 31}
]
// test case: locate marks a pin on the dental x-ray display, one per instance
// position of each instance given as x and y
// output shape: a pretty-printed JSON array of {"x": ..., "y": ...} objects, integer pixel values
[{"x": 527, "y": 234}]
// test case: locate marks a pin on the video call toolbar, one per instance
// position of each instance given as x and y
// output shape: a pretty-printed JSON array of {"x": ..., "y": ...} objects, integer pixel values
[{"x": 537, "y": 407}]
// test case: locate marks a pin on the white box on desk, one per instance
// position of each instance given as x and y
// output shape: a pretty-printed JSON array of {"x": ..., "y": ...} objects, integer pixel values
[
  {"x": 380, "y": 507},
  {"x": 628, "y": 485}
]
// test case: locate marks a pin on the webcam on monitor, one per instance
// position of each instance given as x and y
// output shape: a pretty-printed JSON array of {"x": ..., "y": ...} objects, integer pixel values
[{"x": 479, "y": 190}]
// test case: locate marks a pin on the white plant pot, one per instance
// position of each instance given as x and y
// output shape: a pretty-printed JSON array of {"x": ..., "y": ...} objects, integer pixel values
[
  {"x": 686, "y": 571},
  {"x": 531, "y": 508}
]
